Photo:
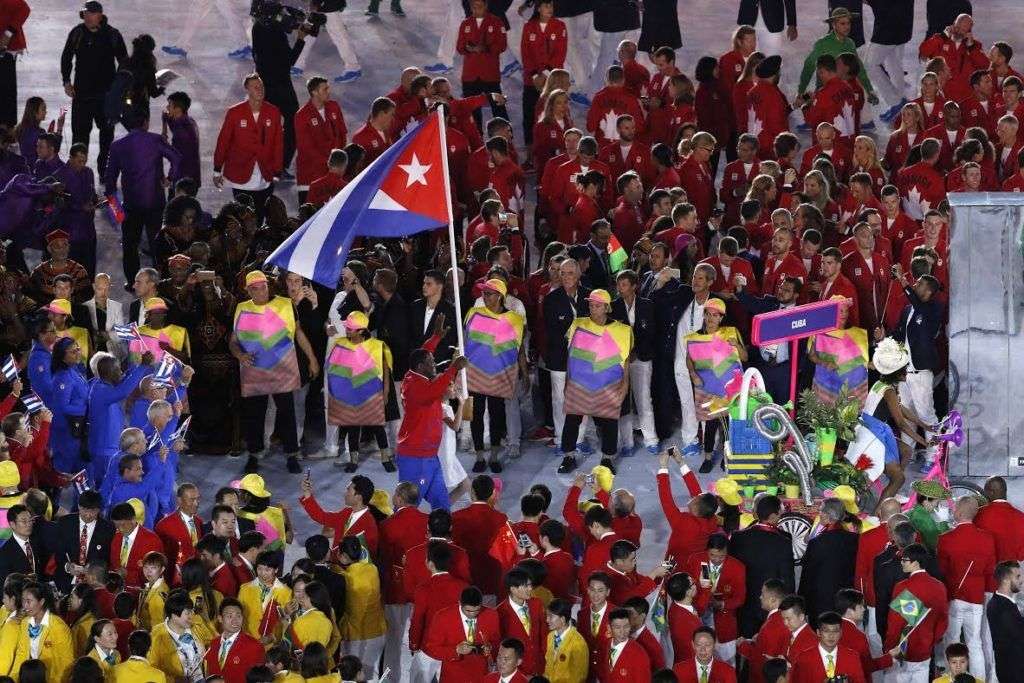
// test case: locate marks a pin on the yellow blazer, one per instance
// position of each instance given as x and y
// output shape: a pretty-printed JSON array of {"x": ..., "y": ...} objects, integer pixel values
[
  {"x": 164, "y": 655},
  {"x": 8, "y": 643},
  {"x": 108, "y": 669},
  {"x": 151, "y": 606},
  {"x": 364, "y": 611},
  {"x": 57, "y": 648},
  {"x": 137, "y": 670},
  {"x": 569, "y": 663},
  {"x": 288, "y": 677},
  {"x": 329, "y": 678},
  {"x": 253, "y": 608},
  {"x": 315, "y": 627},
  {"x": 80, "y": 633},
  {"x": 204, "y": 628}
]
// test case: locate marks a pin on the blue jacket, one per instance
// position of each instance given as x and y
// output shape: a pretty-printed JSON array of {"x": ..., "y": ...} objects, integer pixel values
[
  {"x": 122, "y": 491},
  {"x": 106, "y": 412},
  {"x": 39, "y": 374},
  {"x": 70, "y": 399}
]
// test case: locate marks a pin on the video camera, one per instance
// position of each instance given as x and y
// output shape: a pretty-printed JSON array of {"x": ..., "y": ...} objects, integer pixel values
[{"x": 286, "y": 18}]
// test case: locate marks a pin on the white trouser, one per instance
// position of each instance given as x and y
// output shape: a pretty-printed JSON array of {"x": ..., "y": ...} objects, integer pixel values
[
  {"x": 769, "y": 43},
  {"x": 916, "y": 393},
  {"x": 424, "y": 669},
  {"x": 579, "y": 57},
  {"x": 368, "y": 652},
  {"x": 606, "y": 48},
  {"x": 874, "y": 643},
  {"x": 907, "y": 672},
  {"x": 513, "y": 421},
  {"x": 338, "y": 34},
  {"x": 446, "y": 48},
  {"x": 558, "y": 410},
  {"x": 726, "y": 652},
  {"x": 967, "y": 617},
  {"x": 396, "y": 637},
  {"x": 688, "y": 427},
  {"x": 514, "y": 37},
  {"x": 890, "y": 84},
  {"x": 229, "y": 11},
  {"x": 986, "y": 644},
  {"x": 643, "y": 418}
]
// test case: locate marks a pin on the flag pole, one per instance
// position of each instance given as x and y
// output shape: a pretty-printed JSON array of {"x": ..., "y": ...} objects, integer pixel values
[{"x": 451, "y": 245}]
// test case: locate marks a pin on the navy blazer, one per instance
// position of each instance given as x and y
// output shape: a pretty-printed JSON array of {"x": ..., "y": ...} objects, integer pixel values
[
  {"x": 925, "y": 322},
  {"x": 643, "y": 326}
]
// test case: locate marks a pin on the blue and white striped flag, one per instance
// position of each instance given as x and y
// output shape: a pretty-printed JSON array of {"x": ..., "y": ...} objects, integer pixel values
[
  {"x": 182, "y": 429},
  {"x": 155, "y": 442},
  {"x": 126, "y": 333},
  {"x": 32, "y": 403},
  {"x": 10, "y": 369},
  {"x": 165, "y": 369},
  {"x": 81, "y": 481}
]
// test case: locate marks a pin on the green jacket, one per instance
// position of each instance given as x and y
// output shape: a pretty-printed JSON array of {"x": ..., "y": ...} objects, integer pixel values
[
  {"x": 831, "y": 45},
  {"x": 926, "y": 525}
]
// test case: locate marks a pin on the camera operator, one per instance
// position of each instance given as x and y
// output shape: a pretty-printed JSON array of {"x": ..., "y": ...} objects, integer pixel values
[{"x": 274, "y": 59}]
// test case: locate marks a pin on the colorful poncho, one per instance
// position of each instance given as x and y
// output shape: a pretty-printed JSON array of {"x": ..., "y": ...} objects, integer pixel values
[
  {"x": 848, "y": 349},
  {"x": 716, "y": 362},
  {"x": 174, "y": 336},
  {"x": 493, "y": 341},
  {"x": 597, "y": 364},
  {"x": 268, "y": 332},
  {"x": 356, "y": 379}
]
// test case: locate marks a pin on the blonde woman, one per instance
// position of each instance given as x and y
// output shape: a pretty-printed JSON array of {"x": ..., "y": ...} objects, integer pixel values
[
  {"x": 558, "y": 79},
  {"x": 931, "y": 100},
  {"x": 909, "y": 133},
  {"x": 865, "y": 160},
  {"x": 741, "y": 88},
  {"x": 549, "y": 130},
  {"x": 816, "y": 187}
]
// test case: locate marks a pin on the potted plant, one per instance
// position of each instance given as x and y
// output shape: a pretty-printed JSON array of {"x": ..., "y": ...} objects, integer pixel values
[
  {"x": 830, "y": 421},
  {"x": 785, "y": 478}
]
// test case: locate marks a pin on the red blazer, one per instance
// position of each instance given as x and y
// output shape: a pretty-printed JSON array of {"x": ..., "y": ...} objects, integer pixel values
[
  {"x": 833, "y": 103},
  {"x": 805, "y": 639},
  {"x": 596, "y": 643},
  {"x": 636, "y": 158},
  {"x": 245, "y": 653},
  {"x": 177, "y": 541},
  {"x": 855, "y": 639},
  {"x": 808, "y": 667},
  {"x": 244, "y": 142},
  {"x": 686, "y": 672},
  {"x": 365, "y": 525},
  {"x": 739, "y": 266},
  {"x": 446, "y": 632},
  {"x": 535, "y": 641},
  {"x": 768, "y": 108},
  {"x": 981, "y": 114},
  {"x": 489, "y": 34},
  {"x": 872, "y": 285},
  {"x": 731, "y": 589},
  {"x": 517, "y": 677},
  {"x": 632, "y": 665},
  {"x": 841, "y": 156},
  {"x": 629, "y": 527},
  {"x": 323, "y": 188},
  {"x": 962, "y": 60},
  {"x": 628, "y": 223},
  {"x": 897, "y": 149},
  {"x": 415, "y": 572},
  {"x": 398, "y": 534},
  {"x": 699, "y": 183},
  {"x": 372, "y": 141},
  {"x": 869, "y": 544},
  {"x": 608, "y": 104},
  {"x": 940, "y": 133},
  {"x": 13, "y": 14},
  {"x": 967, "y": 560},
  {"x": 575, "y": 228},
  {"x": 652, "y": 647},
  {"x": 628, "y": 585},
  {"x": 898, "y": 230},
  {"x": 775, "y": 269},
  {"x": 563, "y": 190},
  {"x": 735, "y": 183},
  {"x": 548, "y": 141},
  {"x": 689, "y": 532},
  {"x": 922, "y": 187},
  {"x": 772, "y": 640},
  {"x": 145, "y": 542},
  {"x": 243, "y": 572},
  {"x": 841, "y": 285},
  {"x": 474, "y": 528},
  {"x": 315, "y": 137},
  {"x": 931, "y": 630},
  {"x": 1006, "y": 169},
  {"x": 438, "y": 592},
  {"x": 561, "y": 573},
  {"x": 543, "y": 49},
  {"x": 223, "y": 579},
  {"x": 1006, "y": 524},
  {"x": 681, "y": 625}
]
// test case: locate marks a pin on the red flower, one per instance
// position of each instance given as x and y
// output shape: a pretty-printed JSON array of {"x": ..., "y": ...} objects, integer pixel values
[{"x": 863, "y": 463}]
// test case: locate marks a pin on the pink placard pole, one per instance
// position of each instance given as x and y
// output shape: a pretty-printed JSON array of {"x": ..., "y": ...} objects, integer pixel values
[{"x": 794, "y": 358}]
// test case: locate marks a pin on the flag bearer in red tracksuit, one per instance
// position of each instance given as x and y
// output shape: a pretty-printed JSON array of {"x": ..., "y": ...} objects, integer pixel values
[
  {"x": 319, "y": 128},
  {"x": 481, "y": 41}
]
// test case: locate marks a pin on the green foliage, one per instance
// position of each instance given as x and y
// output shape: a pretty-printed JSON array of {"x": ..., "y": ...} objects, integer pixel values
[{"x": 842, "y": 416}]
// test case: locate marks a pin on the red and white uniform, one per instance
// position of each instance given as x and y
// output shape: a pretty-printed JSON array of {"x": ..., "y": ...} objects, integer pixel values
[
  {"x": 487, "y": 32},
  {"x": 689, "y": 671},
  {"x": 833, "y": 103},
  {"x": 628, "y": 222},
  {"x": 142, "y": 541},
  {"x": 728, "y": 584},
  {"x": 344, "y": 522},
  {"x": 775, "y": 269},
  {"x": 898, "y": 148},
  {"x": 766, "y": 116},
  {"x": 699, "y": 183},
  {"x": 609, "y": 103},
  {"x": 373, "y": 142},
  {"x": 635, "y": 156},
  {"x": 840, "y": 154},
  {"x": 1006, "y": 524},
  {"x": 248, "y": 141},
  {"x": 530, "y": 629},
  {"x": 448, "y": 629},
  {"x": 981, "y": 113},
  {"x": 543, "y": 47},
  {"x": 967, "y": 560},
  {"x": 949, "y": 140},
  {"x": 317, "y": 132},
  {"x": 870, "y": 277},
  {"x": 929, "y": 630},
  {"x": 962, "y": 60},
  {"x": 243, "y": 653},
  {"x": 178, "y": 541},
  {"x": 625, "y": 663},
  {"x": 922, "y": 188},
  {"x": 809, "y": 666},
  {"x": 843, "y": 287},
  {"x": 737, "y": 176}
]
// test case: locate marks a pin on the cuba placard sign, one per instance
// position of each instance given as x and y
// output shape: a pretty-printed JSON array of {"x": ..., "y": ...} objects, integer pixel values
[{"x": 798, "y": 322}]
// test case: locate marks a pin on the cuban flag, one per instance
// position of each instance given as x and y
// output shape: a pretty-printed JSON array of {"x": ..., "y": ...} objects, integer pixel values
[
  {"x": 404, "y": 191},
  {"x": 128, "y": 333},
  {"x": 32, "y": 403},
  {"x": 165, "y": 370},
  {"x": 10, "y": 369}
]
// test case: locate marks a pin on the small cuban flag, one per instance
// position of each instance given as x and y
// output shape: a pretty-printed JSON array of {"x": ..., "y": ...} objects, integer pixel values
[
  {"x": 182, "y": 429},
  {"x": 81, "y": 481},
  {"x": 32, "y": 403},
  {"x": 10, "y": 369},
  {"x": 155, "y": 442},
  {"x": 127, "y": 333},
  {"x": 165, "y": 369}
]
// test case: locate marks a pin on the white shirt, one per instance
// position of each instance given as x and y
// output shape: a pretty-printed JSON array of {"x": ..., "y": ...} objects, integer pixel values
[
  {"x": 794, "y": 634},
  {"x": 691, "y": 321},
  {"x": 130, "y": 540},
  {"x": 36, "y": 644},
  {"x": 89, "y": 529},
  {"x": 616, "y": 651},
  {"x": 465, "y": 625},
  {"x": 255, "y": 183},
  {"x": 825, "y": 654},
  {"x": 704, "y": 669},
  {"x": 428, "y": 313},
  {"x": 188, "y": 653},
  {"x": 25, "y": 546},
  {"x": 226, "y": 643},
  {"x": 354, "y": 517},
  {"x": 511, "y": 303},
  {"x": 103, "y": 655}
]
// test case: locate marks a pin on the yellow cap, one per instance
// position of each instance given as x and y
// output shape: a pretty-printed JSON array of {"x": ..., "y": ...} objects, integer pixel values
[
  {"x": 9, "y": 475},
  {"x": 254, "y": 485},
  {"x": 140, "y": 510},
  {"x": 848, "y": 496},
  {"x": 600, "y": 296},
  {"x": 729, "y": 491},
  {"x": 255, "y": 277},
  {"x": 715, "y": 304},
  {"x": 60, "y": 307},
  {"x": 381, "y": 500},
  {"x": 156, "y": 304},
  {"x": 356, "y": 320},
  {"x": 604, "y": 477},
  {"x": 495, "y": 285}
]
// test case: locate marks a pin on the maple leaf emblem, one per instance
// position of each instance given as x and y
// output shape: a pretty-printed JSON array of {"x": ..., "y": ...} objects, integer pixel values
[
  {"x": 916, "y": 206},
  {"x": 754, "y": 124},
  {"x": 844, "y": 121},
  {"x": 608, "y": 125}
]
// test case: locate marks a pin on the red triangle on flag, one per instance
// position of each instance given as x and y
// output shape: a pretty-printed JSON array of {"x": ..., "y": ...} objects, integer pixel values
[{"x": 416, "y": 181}]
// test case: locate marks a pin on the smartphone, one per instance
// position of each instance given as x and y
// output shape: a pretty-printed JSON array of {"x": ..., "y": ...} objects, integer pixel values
[
  {"x": 524, "y": 540},
  {"x": 705, "y": 571},
  {"x": 590, "y": 479}
]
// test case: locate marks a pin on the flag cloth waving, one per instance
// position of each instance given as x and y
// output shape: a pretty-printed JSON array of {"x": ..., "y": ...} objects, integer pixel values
[
  {"x": 913, "y": 611},
  {"x": 404, "y": 191}
]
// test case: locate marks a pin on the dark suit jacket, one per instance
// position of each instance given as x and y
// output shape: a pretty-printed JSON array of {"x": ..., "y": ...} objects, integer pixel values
[
  {"x": 923, "y": 330},
  {"x": 886, "y": 574},
  {"x": 417, "y": 311},
  {"x": 335, "y": 584},
  {"x": 827, "y": 567},
  {"x": 777, "y": 13},
  {"x": 559, "y": 312},
  {"x": 1007, "y": 626},
  {"x": 765, "y": 555},
  {"x": 13, "y": 559},
  {"x": 598, "y": 276},
  {"x": 643, "y": 326},
  {"x": 390, "y": 320},
  {"x": 66, "y": 545},
  {"x": 670, "y": 302}
]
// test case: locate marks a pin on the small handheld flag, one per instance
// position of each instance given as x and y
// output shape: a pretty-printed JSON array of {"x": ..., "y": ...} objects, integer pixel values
[
  {"x": 182, "y": 429},
  {"x": 32, "y": 403},
  {"x": 155, "y": 441},
  {"x": 617, "y": 256},
  {"x": 128, "y": 333},
  {"x": 10, "y": 369},
  {"x": 114, "y": 209},
  {"x": 166, "y": 368},
  {"x": 80, "y": 480}
]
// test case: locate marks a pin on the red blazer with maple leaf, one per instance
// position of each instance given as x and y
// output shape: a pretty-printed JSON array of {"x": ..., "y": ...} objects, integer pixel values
[
  {"x": 682, "y": 622},
  {"x": 245, "y": 653},
  {"x": 474, "y": 528},
  {"x": 177, "y": 541},
  {"x": 373, "y": 142},
  {"x": 399, "y": 533},
  {"x": 543, "y": 48},
  {"x": 833, "y": 103},
  {"x": 766, "y": 116},
  {"x": 771, "y": 640},
  {"x": 689, "y": 532},
  {"x": 808, "y": 667},
  {"x": 687, "y": 672},
  {"x": 535, "y": 641},
  {"x": 731, "y": 589},
  {"x": 940, "y": 133},
  {"x": 145, "y": 542},
  {"x": 609, "y": 103},
  {"x": 872, "y": 285},
  {"x": 898, "y": 148},
  {"x": 366, "y": 524},
  {"x": 244, "y": 142},
  {"x": 840, "y": 154},
  {"x": 932, "y": 593},
  {"x": 922, "y": 188},
  {"x": 736, "y": 181},
  {"x": 698, "y": 181},
  {"x": 549, "y": 141},
  {"x": 446, "y": 632},
  {"x": 315, "y": 137},
  {"x": 416, "y": 573},
  {"x": 440, "y": 591},
  {"x": 630, "y": 666},
  {"x": 1006, "y": 524},
  {"x": 967, "y": 560},
  {"x": 982, "y": 114},
  {"x": 223, "y": 579},
  {"x": 898, "y": 230},
  {"x": 652, "y": 647},
  {"x": 488, "y": 33},
  {"x": 636, "y": 156}
]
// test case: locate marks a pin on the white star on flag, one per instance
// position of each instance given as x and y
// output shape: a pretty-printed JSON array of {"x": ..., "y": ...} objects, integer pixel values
[{"x": 416, "y": 171}]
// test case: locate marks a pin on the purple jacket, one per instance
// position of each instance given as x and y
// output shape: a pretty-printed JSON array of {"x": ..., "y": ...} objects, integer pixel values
[
  {"x": 18, "y": 220},
  {"x": 27, "y": 143},
  {"x": 11, "y": 165},
  {"x": 41, "y": 168},
  {"x": 138, "y": 159},
  {"x": 76, "y": 219},
  {"x": 185, "y": 139}
]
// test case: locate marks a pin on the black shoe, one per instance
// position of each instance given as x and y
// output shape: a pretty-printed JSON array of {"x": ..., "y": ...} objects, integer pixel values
[
  {"x": 389, "y": 466},
  {"x": 495, "y": 466},
  {"x": 706, "y": 466},
  {"x": 480, "y": 466},
  {"x": 293, "y": 465},
  {"x": 721, "y": 464},
  {"x": 350, "y": 467},
  {"x": 397, "y": 11},
  {"x": 252, "y": 466},
  {"x": 568, "y": 465},
  {"x": 234, "y": 454},
  {"x": 607, "y": 462}
]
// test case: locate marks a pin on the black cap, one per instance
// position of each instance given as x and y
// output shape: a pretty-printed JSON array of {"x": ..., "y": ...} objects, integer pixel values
[
  {"x": 769, "y": 67},
  {"x": 92, "y": 6}
]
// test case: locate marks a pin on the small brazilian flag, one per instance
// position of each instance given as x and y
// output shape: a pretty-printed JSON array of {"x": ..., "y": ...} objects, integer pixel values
[
  {"x": 617, "y": 256},
  {"x": 913, "y": 611}
]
